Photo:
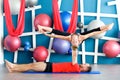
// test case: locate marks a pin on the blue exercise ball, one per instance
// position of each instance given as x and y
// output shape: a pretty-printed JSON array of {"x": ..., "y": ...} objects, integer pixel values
[
  {"x": 70, "y": 51},
  {"x": 65, "y": 19},
  {"x": 60, "y": 46},
  {"x": 27, "y": 48},
  {"x": 27, "y": 43}
]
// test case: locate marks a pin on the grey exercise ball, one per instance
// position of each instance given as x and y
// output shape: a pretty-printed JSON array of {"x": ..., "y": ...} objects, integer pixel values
[
  {"x": 14, "y": 6},
  {"x": 95, "y": 24},
  {"x": 80, "y": 25},
  {"x": 1, "y": 6},
  {"x": 31, "y": 3}
]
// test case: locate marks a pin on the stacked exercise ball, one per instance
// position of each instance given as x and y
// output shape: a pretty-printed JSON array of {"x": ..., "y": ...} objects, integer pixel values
[
  {"x": 119, "y": 34},
  {"x": 14, "y": 6},
  {"x": 60, "y": 46},
  {"x": 65, "y": 19},
  {"x": 27, "y": 46},
  {"x": 111, "y": 48},
  {"x": 95, "y": 24},
  {"x": 70, "y": 51},
  {"x": 40, "y": 53},
  {"x": 31, "y": 3},
  {"x": 12, "y": 43},
  {"x": 80, "y": 25},
  {"x": 43, "y": 20}
]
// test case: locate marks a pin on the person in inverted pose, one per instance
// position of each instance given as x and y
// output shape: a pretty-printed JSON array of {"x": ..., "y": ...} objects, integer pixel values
[
  {"x": 74, "y": 38},
  {"x": 48, "y": 67}
]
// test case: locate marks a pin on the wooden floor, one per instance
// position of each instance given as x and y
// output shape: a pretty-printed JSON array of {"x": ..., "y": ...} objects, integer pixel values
[{"x": 108, "y": 72}]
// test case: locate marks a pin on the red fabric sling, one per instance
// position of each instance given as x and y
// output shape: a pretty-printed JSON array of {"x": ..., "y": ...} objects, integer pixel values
[
  {"x": 57, "y": 20},
  {"x": 10, "y": 27}
]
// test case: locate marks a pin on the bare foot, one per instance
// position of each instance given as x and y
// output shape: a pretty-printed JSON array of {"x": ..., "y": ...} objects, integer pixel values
[
  {"x": 110, "y": 26},
  {"x": 9, "y": 66},
  {"x": 40, "y": 28}
]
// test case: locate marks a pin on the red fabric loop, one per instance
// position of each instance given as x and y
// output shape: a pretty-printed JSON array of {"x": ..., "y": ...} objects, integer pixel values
[
  {"x": 10, "y": 27},
  {"x": 56, "y": 17},
  {"x": 57, "y": 20}
]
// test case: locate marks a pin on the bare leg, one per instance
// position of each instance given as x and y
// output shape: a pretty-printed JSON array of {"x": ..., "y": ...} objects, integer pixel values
[
  {"x": 44, "y": 29},
  {"x": 107, "y": 27},
  {"x": 38, "y": 66},
  {"x": 102, "y": 29}
]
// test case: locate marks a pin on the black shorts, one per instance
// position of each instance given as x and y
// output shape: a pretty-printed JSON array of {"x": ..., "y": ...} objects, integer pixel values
[{"x": 48, "y": 67}]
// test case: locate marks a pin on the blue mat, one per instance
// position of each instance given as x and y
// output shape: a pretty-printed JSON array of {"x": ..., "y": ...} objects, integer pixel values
[{"x": 32, "y": 72}]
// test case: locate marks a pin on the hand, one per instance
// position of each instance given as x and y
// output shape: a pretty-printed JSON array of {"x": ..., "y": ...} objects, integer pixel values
[
  {"x": 73, "y": 63},
  {"x": 45, "y": 33},
  {"x": 41, "y": 29}
]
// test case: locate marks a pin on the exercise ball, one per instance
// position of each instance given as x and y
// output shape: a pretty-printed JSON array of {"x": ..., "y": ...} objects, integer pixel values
[
  {"x": 70, "y": 51},
  {"x": 14, "y": 6},
  {"x": 80, "y": 25},
  {"x": 60, "y": 46},
  {"x": 65, "y": 19},
  {"x": 111, "y": 48},
  {"x": 119, "y": 34},
  {"x": 27, "y": 46},
  {"x": 95, "y": 24},
  {"x": 31, "y": 3},
  {"x": 27, "y": 43},
  {"x": 12, "y": 43},
  {"x": 40, "y": 53},
  {"x": 43, "y": 20}
]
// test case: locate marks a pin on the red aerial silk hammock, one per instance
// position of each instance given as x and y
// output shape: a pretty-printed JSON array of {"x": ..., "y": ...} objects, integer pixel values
[
  {"x": 57, "y": 20},
  {"x": 10, "y": 27}
]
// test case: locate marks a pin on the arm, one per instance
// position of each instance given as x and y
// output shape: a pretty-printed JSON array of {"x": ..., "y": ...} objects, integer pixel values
[
  {"x": 58, "y": 36},
  {"x": 91, "y": 34},
  {"x": 74, "y": 56}
]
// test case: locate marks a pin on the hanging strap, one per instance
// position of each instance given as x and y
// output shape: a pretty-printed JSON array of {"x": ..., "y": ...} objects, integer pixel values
[
  {"x": 57, "y": 20},
  {"x": 56, "y": 16},
  {"x": 73, "y": 21},
  {"x": 9, "y": 24}
]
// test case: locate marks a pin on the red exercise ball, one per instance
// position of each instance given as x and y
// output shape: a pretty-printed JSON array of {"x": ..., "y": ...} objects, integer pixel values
[
  {"x": 40, "y": 53},
  {"x": 12, "y": 43},
  {"x": 43, "y": 20},
  {"x": 111, "y": 48}
]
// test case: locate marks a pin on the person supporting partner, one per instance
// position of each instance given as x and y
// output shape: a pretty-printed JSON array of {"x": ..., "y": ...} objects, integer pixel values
[
  {"x": 48, "y": 67},
  {"x": 74, "y": 38}
]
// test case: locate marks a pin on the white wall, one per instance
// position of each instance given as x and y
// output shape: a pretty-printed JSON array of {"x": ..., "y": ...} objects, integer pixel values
[{"x": 1, "y": 34}]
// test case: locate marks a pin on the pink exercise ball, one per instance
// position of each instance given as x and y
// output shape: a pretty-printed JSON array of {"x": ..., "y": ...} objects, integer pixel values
[
  {"x": 12, "y": 43},
  {"x": 43, "y": 20},
  {"x": 111, "y": 48},
  {"x": 40, "y": 53}
]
